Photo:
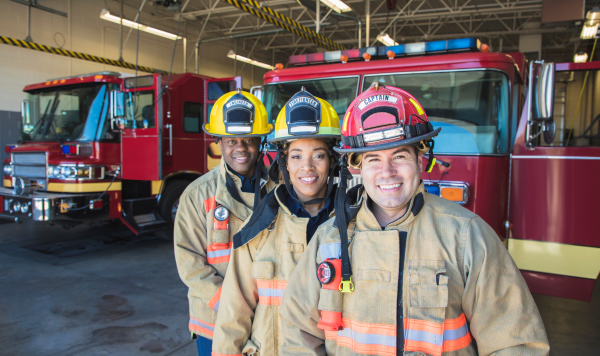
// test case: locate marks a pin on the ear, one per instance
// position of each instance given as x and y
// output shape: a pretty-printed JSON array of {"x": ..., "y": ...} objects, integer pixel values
[{"x": 420, "y": 161}]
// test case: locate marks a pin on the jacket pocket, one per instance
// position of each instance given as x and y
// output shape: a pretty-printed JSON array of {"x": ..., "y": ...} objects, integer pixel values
[
  {"x": 428, "y": 287},
  {"x": 263, "y": 270},
  {"x": 220, "y": 236},
  {"x": 286, "y": 246},
  {"x": 376, "y": 275}
]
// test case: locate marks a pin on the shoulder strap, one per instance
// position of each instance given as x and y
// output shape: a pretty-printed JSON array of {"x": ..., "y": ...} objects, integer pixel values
[{"x": 262, "y": 216}]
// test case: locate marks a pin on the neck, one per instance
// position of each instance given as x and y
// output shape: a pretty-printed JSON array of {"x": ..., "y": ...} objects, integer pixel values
[
  {"x": 249, "y": 174},
  {"x": 312, "y": 209},
  {"x": 386, "y": 216}
]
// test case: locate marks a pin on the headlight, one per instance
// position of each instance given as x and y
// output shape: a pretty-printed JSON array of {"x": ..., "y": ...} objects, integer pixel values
[
  {"x": 68, "y": 172},
  {"x": 8, "y": 169},
  {"x": 55, "y": 172},
  {"x": 64, "y": 172}
]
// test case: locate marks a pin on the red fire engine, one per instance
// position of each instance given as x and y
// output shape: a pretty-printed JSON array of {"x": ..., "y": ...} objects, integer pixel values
[
  {"x": 98, "y": 146},
  {"x": 497, "y": 151}
]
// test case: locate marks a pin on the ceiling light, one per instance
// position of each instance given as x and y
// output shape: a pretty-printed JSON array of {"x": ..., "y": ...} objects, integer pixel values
[
  {"x": 386, "y": 39},
  {"x": 580, "y": 57},
  {"x": 232, "y": 55},
  {"x": 337, "y": 5},
  {"x": 589, "y": 31},
  {"x": 115, "y": 19},
  {"x": 593, "y": 16}
]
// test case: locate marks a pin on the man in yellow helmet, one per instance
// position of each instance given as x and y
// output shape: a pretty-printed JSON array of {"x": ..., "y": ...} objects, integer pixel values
[{"x": 212, "y": 208}]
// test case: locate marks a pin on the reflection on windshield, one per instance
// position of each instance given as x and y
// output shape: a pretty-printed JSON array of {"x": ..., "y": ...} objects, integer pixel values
[
  {"x": 139, "y": 109},
  {"x": 471, "y": 107},
  {"x": 68, "y": 114},
  {"x": 338, "y": 92}
]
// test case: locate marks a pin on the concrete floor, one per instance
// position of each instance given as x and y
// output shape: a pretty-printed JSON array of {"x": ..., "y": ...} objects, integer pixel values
[{"x": 95, "y": 290}]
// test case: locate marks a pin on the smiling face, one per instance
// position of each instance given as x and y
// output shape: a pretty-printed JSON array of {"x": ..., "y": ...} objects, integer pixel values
[
  {"x": 240, "y": 153},
  {"x": 308, "y": 163},
  {"x": 391, "y": 178}
]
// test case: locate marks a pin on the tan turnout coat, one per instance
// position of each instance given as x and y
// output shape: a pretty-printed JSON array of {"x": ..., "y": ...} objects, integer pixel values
[
  {"x": 201, "y": 252},
  {"x": 265, "y": 255},
  {"x": 462, "y": 294}
]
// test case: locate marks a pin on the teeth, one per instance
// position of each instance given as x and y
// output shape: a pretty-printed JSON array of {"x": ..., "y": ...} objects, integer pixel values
[
  {"x": 308, "y": 179},
  {"x": 390, "y": 186}
]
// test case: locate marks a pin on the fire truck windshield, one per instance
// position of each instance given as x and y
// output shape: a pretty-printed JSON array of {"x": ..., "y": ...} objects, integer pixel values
[
  {"x": 70, "y": 113},
  {"x": 471, "y": 107},
  {"x": 339, "y": 92}
]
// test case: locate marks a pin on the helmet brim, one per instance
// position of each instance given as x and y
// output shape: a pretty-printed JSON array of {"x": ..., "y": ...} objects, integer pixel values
[
  {"x": 236, "y": 135},
  {"x": 389, "y": 145},
  {"x": 316, "y": 136}
]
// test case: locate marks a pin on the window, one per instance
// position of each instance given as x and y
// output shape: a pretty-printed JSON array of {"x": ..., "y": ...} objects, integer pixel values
[
  {"x": 139, "y": 109},
  {"x": 471, "y": 107},
  {"x": 192, "y": 118},
  {"x": 217, "y": 89}
]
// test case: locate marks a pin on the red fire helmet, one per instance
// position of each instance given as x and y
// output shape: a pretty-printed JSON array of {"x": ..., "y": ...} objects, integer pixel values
[{"x": 385, "y": 117}]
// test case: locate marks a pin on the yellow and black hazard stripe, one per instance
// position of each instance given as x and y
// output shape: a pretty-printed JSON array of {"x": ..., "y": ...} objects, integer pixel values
[
  {"x": 72, "y": 54},
  {"x": 294, "y": 23},
  {"x": 285, "y": 26}
]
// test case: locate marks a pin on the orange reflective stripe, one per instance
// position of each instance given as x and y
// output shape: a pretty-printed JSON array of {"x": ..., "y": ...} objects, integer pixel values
[
  {"x": 366, "y": 338},
  {"x": 218, "y": 252},
  {"x": 209, "y": 204},
  {"x": 202, "y": 327},
  {"x": 423, "y": 325},
  {"x": 453, "y": 345},
  {"x": 270, "y": 292},
  {"x": 456, "y": 333},
  {"x": 435, "y": 338},
  {"x": 426, "y": 347},
  {"x": 214, "y": 301}
]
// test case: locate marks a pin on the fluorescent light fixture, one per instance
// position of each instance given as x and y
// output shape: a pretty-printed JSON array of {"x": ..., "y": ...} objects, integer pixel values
[
  {"x": 386, "y": 39},
  {"x": 580, "y": 57},
  {"x": 589, "y": 31},
  {"x": 593, "y": 16},
  {"x": 105, "y": 15},
  {"x": 337, "y": 5},
  {"x": 232, "y": 55}
]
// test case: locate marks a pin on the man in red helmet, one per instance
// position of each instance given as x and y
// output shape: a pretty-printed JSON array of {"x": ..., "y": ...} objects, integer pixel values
[{"x": 407, "y": 272}]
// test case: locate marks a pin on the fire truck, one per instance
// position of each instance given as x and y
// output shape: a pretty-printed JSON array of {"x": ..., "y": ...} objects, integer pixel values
[
  {"x": 498, "y": 153},
  {"x": 102, "y": 147}
]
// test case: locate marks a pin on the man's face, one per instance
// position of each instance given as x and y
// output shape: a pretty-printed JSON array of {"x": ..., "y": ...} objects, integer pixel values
[
  {"x": 391, "y": 177},
  {"x": 241, "y": 153},
  {"x": 308, "y": 163}
]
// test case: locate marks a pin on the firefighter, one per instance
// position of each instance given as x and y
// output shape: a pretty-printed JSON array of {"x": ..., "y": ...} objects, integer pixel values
[
  {"x": 214, "y": 206},
  {"x": 401, "y": 271},
  {"x": 266, "y": 249}
]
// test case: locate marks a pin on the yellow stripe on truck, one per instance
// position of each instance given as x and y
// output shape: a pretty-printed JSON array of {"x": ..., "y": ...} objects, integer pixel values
[
  {"x": 8, "y": 183},
  {"x": 156, "y": 185},
  {"x": 83, "y": 187},
  {"x": 555, "y": 258}
]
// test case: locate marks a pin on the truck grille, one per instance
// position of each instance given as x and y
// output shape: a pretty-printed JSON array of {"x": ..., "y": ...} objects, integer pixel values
[{"x": 29, "y": 165}]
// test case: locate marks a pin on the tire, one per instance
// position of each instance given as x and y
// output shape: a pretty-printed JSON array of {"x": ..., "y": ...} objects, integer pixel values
[{"x": 169, "y": 200}]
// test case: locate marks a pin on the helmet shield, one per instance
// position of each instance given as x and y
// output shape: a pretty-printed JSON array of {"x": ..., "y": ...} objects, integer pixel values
[
  {"x": 238, "y": 115},
  {"x": 303, "y": 114}
]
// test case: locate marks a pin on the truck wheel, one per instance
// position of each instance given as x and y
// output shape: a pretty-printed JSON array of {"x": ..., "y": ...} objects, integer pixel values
[{"x": 169, "y": 202}]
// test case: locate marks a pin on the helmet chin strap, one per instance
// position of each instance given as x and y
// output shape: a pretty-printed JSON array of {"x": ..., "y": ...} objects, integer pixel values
[
  {"x": 346, "y": 285},
  {"x": 281, "y": 161},
  {"x": 431, "y": 160}
]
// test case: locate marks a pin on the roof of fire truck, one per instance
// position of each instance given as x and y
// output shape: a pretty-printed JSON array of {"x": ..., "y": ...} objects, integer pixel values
[{"x": 422, "y": 56}]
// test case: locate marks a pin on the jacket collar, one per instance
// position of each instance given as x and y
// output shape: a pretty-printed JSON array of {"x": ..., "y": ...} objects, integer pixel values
[
  {"x": 222, "y": 197},
  {"x": 366, "y": 221}
]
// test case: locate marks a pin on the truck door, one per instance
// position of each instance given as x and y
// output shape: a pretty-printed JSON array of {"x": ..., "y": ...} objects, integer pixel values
[
  {"x": 213, "y": 89},
  {"x": 140, "y": 140}
]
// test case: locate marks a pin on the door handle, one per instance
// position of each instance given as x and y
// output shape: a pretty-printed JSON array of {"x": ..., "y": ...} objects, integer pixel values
[{"x": 170, "y": 127}]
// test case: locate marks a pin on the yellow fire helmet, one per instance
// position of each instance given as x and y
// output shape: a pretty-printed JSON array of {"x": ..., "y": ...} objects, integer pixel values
[
  {"x": 306, "y": 116},
  {"x": 238, "y": 113}
]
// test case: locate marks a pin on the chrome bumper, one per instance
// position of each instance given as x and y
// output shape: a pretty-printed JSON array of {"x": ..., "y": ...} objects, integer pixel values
[{"x": 42, "y": 206}]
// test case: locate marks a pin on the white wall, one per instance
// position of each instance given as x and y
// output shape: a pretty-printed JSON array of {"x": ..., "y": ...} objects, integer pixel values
[{"x": 84, "y": 31}]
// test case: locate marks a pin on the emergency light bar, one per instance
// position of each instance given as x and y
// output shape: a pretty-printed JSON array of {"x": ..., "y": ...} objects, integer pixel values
[{"x": 409, "y": 49}]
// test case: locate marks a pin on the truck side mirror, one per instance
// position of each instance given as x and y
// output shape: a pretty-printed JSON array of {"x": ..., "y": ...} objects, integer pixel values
[
  {"x": 257, "y": 92},
  {"x": 543, "y": 92},
  {"x": 117, "y": 108},
  {"x": 26, "y": 120}
]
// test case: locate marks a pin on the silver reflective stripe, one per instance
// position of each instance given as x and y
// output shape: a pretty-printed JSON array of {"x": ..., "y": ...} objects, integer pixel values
[
  {"x": 332, "y": 250},
  {"x": 218, "y": 253},
  {"x": 268, "y": 292},
  {"x": 368, "y": 339},
  {"x": 199, "y": 323},
  {"x": 424, "y": 336}
]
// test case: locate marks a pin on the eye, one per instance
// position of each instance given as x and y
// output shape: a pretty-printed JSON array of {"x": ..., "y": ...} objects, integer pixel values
[
  {"x": 295, "y": 156},
  {"x": 319, "y": 156}
]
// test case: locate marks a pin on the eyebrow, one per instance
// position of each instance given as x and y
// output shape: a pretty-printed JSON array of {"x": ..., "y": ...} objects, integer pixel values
[
  {"x": 316, "y": 149},
  {"x": 403, "y": 149}
]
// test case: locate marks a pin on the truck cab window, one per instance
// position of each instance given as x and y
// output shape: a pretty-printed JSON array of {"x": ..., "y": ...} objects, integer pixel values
[
  {"x": 217, "y": 89},
  {"x": 192, "y": 117},
  {"x": 139, "y": 109}
]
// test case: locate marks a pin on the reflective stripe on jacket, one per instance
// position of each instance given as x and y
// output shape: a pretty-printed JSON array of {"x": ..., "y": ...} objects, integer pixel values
[
  {"x": 462, "y": 294},
  {"x": 202, "y": 252},
  {"x": 265, "y": 254}
]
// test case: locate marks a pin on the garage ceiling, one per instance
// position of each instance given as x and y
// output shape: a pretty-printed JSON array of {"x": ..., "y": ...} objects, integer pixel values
[{"x": 498, "y": 23}]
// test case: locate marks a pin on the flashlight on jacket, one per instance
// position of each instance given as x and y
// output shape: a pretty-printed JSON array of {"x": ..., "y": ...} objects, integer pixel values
[{"x": 329, "y": 274}]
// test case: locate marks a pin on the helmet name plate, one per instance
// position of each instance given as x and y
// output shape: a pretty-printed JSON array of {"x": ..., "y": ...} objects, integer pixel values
[{"x": 376, "y": 98}]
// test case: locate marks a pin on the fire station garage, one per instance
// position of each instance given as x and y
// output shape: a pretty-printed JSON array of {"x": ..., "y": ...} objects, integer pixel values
[{"x": 105, "y": 109}]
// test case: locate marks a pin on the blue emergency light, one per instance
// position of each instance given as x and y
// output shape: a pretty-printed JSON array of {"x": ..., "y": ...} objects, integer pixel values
[{"x": 470, "y": 44}]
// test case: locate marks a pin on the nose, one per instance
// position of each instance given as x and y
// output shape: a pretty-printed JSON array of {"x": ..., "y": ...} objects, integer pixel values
[
  {"x": 307, "y": 164},
  {"x": 387, "y": 169}
]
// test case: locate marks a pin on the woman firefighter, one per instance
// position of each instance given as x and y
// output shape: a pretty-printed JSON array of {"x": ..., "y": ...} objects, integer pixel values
[{"x": 272, "y": 240}]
